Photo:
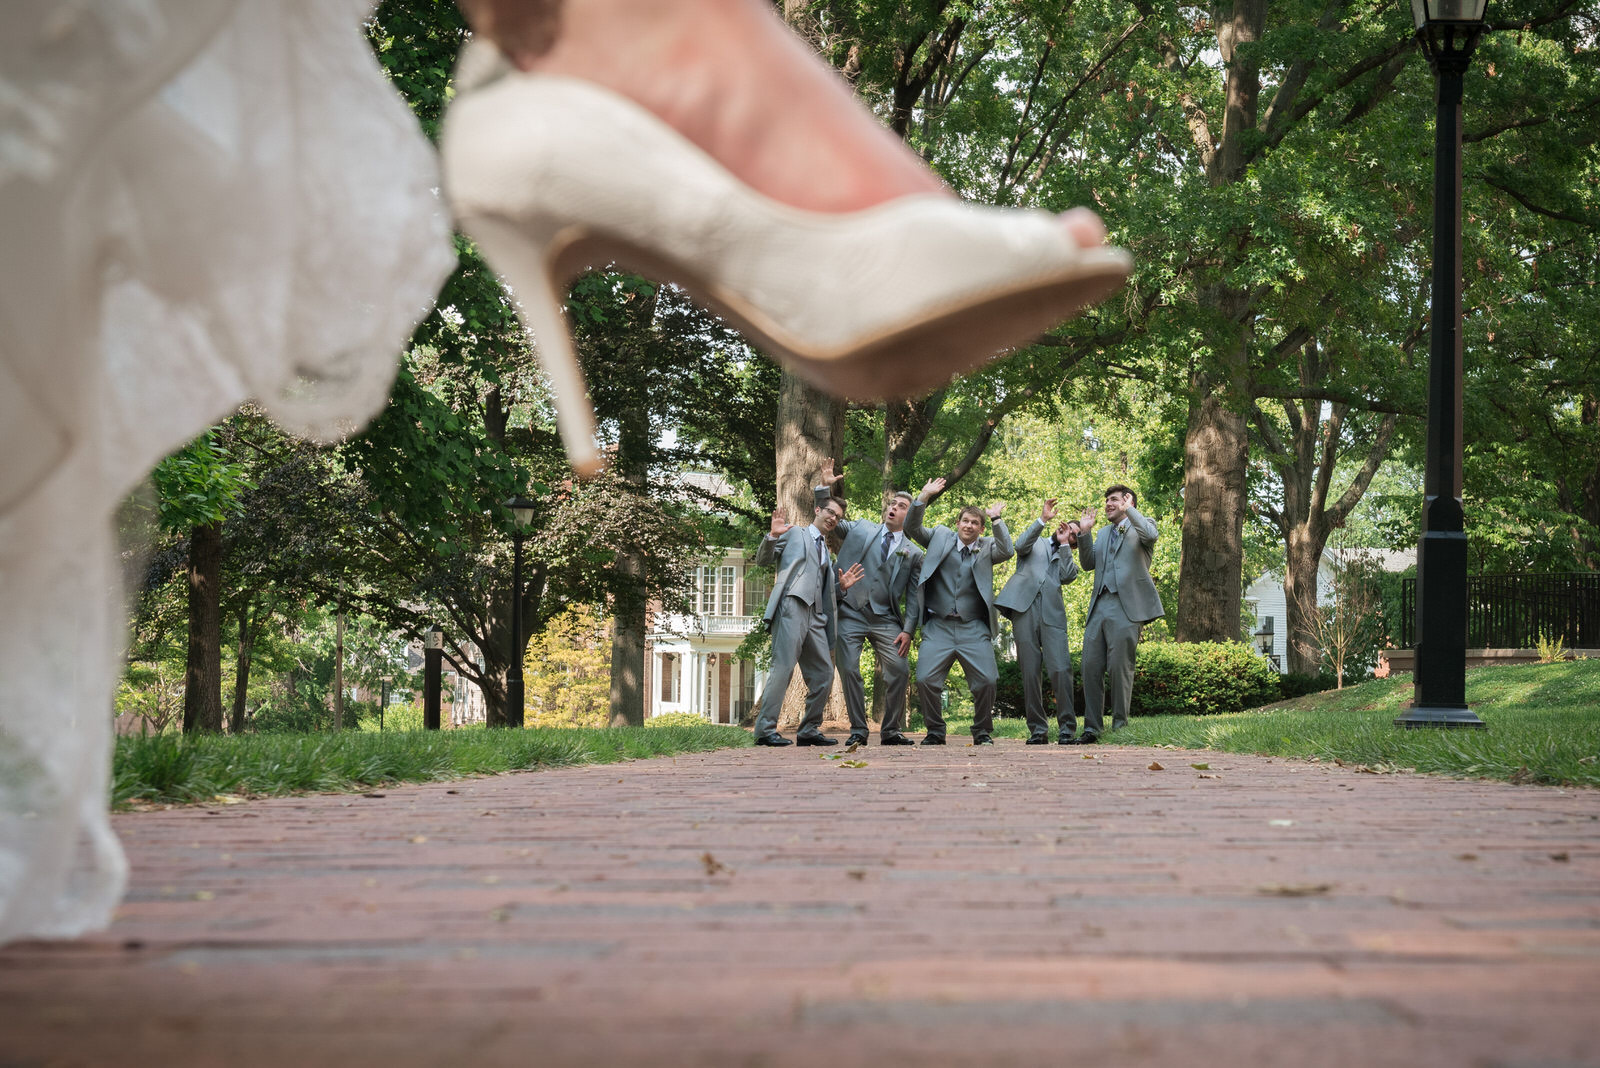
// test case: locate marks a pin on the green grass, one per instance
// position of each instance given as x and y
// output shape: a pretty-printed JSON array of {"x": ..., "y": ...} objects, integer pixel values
[
  {"x": 170, "y": 768},
  {"x": 1543, "y": 720}
]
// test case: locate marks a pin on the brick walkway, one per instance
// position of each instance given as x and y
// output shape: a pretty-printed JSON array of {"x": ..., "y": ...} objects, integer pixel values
[{"x": 751, "y": 907}]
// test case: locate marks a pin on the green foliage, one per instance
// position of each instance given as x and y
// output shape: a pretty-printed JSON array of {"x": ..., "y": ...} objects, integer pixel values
[
  {"x": 675, "y": 719},
  {"x": 1200, "y": 678},
  {"x": 567, "y": 671},
  {"x": 1297, "y": 684},
  {"x": 198, "y": 484},
  {"x": 179, "y": 768}
]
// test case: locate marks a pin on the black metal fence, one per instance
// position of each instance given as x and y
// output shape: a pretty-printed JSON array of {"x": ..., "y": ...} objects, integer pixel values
[{"x": 1515, "y": 611}]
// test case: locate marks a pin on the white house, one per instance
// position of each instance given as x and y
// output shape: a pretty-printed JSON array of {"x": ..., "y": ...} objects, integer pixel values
[
  {"x": 1265, "y": 597},
  {"x": 690, "y": 666}
]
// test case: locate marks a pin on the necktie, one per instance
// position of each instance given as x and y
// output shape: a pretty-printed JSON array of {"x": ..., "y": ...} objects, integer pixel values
[{"x": 888, "y": 538}]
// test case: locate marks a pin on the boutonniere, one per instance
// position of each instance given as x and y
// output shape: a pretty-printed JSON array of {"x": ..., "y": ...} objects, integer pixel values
[{"x": 902, "y": 552}]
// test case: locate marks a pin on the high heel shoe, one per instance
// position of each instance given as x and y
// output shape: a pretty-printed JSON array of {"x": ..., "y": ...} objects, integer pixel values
[{"x": 553, "y": 175}]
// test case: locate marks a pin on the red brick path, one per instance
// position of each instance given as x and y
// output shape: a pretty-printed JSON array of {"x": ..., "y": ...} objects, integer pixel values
[{"x": 754, "y": 907}]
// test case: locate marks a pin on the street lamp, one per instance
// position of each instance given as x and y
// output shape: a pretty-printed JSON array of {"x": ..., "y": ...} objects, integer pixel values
[
  {"x": 432, "y": 676},
  {"x": 383, "y": 701},
  {"x": 522, "y": 514},
  {"x": 1447, "y": 32}
]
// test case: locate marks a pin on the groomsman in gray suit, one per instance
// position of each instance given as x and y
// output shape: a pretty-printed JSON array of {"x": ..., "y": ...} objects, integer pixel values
[
  {"x": 1032, "y": 601},
  {"x": 801, "y": 615},
  {"x": 960, "y": 621},
  {"x": 1124, "y": 600},
  {"x": 876, "y": 610}
]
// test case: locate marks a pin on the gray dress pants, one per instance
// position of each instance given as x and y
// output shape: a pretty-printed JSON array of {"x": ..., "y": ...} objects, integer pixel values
[
  {"x": 1041, "y": 645},
  {"x": 949, "y": 641},
  {"x": 799, "y": 637},
  {"x": 1110, "y": 645},
  {"x": 855, "y": 630}
]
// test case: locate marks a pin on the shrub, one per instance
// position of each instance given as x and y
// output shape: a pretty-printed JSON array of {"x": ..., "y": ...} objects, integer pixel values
[
  {"x": 677, "y": 719},
  {"x": 1200, "y": 678},
  {"x": 1298, "y": 684}
]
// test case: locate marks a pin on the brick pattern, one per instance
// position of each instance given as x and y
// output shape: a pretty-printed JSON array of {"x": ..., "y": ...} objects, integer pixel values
[{"x": 989, "y": 907}]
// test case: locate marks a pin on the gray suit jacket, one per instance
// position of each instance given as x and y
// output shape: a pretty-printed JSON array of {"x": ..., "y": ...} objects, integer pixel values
[
  {"x": 796, "y": 560},
  {"x": 863, "y": 544},
  {"x": 1132, "y": 561},
  {"x": 1039, "y": 577},
  {"x": 941, "y": 543}
]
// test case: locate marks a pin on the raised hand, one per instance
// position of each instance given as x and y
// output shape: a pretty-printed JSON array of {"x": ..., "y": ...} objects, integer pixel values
[
  {"x": 1067, "y": 533},
  {"x": 828, "y": 478},
  {"x": 931, "y": 489},
  {"x": 780, "y": 521},
  {"x": 1048, "y": 512},
  {"x": 1086, "y": 521},
  {"x": 851, "y": 577},
  {"x": 994, "y": 510}
]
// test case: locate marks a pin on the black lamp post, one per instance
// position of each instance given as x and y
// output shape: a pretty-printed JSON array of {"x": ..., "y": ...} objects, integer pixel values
[
  {"x": 432, "y": 676},
  {"x": 383, "y": 701},
  {"x": 522, "y": 513},
  {"x": 1447, "y": 31}
]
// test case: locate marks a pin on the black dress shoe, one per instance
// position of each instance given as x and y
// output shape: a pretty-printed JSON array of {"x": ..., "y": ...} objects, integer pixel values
[
  {"x": 1039, "y": 739},
  {"x": 894, "y": 739},
  {"x": 856, "y": 739},
  {"x": 1086, "y": 739},
  {"x": 933, "y": 739},
  {"x": 1067, "y": 739},
  {"x": 982, "y": 739},
  {"x": 774, "y": 740},
  {"x": 814, "y": 739}
]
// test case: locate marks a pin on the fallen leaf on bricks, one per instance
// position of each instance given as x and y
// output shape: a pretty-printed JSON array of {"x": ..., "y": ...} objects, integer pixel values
[
  {"x": 499, "y": 915},
  {"x": 1294, "y": 889},
  {"x": 372, "y": 795},
  {"x": 713, "y": 865},
  {"x": 1201, "y": 767},
  {"x": 853, "y": 764},
  {"x": 1153, "y": 766},
  {"x": 1553, "y": 856},
  {"x": 853, "y": 747},
  {"x": 207, "y": 895},
  {"x": 419, "y": 839},
  {"x": 452, "y": 791},
  {"x": 857, "y": 874},
  {"x": 1466, "y": 856},
  {"x": 1088, "y": 756},
  {"x": 1203, "y": 775}
]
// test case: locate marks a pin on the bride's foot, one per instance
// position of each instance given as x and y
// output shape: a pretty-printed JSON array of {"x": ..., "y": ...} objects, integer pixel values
[{"x": 742, "y": 88}]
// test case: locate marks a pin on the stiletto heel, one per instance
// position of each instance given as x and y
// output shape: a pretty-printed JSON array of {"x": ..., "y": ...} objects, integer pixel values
[
  {"x": 524, "y": 259},
  {"x": 553, "y": 175}
]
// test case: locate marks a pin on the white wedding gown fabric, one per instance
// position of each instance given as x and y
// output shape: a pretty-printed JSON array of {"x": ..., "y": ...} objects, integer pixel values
[{"x": 203, "y": 202}]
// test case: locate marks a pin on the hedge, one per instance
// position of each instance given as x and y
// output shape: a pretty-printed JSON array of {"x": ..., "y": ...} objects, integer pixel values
[{"x": 1184, "y": 678}]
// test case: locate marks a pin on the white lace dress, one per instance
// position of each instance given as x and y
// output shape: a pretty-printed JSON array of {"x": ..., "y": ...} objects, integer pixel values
[{"x": 202, "y": 202}]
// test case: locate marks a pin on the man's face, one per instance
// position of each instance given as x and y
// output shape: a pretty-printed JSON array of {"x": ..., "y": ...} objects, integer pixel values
[
  {"x": 968, "y": 527},
  {"x": 828, "y": 517},
  {"x": 894, "y": 514},
  {"x": 1116, "y": 504}
]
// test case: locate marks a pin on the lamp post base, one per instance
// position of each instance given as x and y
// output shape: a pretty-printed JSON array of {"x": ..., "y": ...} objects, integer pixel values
[{"x": 1416, "y": 716}]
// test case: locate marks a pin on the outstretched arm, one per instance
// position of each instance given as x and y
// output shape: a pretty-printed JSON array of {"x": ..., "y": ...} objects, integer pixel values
[{"x": 913, "y": 522}]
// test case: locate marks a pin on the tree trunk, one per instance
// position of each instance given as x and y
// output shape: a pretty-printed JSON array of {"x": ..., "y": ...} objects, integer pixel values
[
  {"x": 241, "y": 668},
  {"x": 810, "y": 429},
  {"x": 202, "y": 685},
  {"x": 630, "y": 601},
  {"x": 1303, "y": 554},
  {"x": 1215, "y": 455},
  {"x": 627, "y": 649},
  {"x": 338, "y": 671}
]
